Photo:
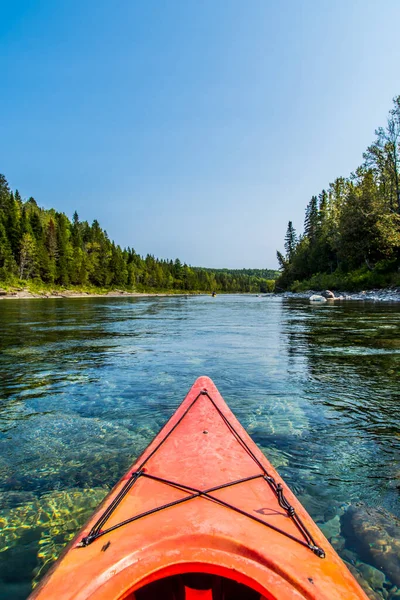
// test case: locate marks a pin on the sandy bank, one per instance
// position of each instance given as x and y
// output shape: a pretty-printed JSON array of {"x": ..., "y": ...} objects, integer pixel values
[{"x": 26, "y": 294}]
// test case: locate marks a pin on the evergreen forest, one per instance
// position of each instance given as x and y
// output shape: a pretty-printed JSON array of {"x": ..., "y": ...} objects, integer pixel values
[
  {"x": 351, "y": 237},
  {"x": 46, "y": 249},
  {"x": 350, "y": 240}
]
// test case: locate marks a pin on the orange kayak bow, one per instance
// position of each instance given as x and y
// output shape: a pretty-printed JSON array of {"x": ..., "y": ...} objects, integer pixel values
[{"x": 201, "y": 514}]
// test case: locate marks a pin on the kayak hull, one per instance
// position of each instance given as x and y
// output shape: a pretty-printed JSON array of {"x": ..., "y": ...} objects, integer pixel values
[{"x": 168, "y": 523}]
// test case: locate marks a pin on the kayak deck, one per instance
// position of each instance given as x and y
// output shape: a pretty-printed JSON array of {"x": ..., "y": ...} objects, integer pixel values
[
  {"x": 200, "y": 512},
  {"x": 195, "y": 435}
]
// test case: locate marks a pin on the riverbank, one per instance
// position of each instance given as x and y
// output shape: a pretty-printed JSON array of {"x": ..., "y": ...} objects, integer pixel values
[
  {"x": 378, "y": 295},
  {"x": 26, "y": 294}
]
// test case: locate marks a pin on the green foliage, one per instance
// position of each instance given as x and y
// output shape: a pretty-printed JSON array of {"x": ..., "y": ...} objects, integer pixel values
[
  {"x": 360, "y": 279},
  {"x": 48, "y": 251},
  {"x": 28, "y": 257},
  {"x": 352, "y": 229}
]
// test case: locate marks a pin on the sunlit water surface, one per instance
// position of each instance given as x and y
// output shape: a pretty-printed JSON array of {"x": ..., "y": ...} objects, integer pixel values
[{"x": 85, "y": 384}]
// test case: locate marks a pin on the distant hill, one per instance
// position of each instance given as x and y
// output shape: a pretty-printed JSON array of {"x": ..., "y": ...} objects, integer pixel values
[{"x": 260, "y": 273}]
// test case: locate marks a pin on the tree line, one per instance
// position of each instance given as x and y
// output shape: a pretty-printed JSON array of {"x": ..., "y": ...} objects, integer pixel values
[
  {"x": 352, "y": 228},
  {"x": 45, "y": 246}
]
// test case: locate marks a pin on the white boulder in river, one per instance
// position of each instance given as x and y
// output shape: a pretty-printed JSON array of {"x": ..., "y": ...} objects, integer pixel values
[
  {"x": 317, "y": 298},
  {"x": 328, "y": 295}
]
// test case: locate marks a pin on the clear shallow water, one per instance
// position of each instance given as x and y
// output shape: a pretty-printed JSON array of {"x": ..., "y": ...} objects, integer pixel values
[{"x": 86, "y": 383}]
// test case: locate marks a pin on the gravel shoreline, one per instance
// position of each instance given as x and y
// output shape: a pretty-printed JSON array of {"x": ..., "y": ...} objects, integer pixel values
[
  {"x": 381, "y": 295},
  {"x": 26, "y": 295}
]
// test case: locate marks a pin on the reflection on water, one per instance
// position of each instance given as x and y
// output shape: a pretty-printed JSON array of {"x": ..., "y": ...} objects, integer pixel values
[{"x": 86, "y": 383}]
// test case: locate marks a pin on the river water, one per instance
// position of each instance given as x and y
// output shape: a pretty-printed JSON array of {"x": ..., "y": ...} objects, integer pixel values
[{"x": 86, "y": 383}]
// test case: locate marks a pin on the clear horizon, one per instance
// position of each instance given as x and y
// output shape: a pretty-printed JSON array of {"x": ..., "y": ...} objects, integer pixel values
[{"x": 192, "y": 131}]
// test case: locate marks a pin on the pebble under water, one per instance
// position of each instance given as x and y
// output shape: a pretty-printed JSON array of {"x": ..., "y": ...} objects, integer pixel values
[{"x": 85, "y": 384}]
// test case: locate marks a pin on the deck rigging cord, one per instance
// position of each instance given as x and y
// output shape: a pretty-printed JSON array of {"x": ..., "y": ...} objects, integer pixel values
[{"x": 97, "y": 531}]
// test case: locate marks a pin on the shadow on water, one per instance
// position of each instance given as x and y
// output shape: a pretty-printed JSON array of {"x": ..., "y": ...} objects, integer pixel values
[{"x": 85, "y": 385}]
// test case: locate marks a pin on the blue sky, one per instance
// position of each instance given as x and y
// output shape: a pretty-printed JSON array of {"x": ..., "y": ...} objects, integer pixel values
[{"x": 190, "y": 128}]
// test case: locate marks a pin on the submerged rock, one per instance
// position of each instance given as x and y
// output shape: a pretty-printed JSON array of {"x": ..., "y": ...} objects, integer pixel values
[
  {"x": 331, "y": 528},
  {"x": 363, "y": 583},
  {"x": 374, "y": 576},
  {"x": 376, "y": 535},
  {"x": 35, "y": 532}
]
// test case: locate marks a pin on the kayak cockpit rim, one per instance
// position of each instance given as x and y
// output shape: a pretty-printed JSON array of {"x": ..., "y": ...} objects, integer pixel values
[
  {"x": 189, "y": 585},
  {"x": 249, "y": 587}
]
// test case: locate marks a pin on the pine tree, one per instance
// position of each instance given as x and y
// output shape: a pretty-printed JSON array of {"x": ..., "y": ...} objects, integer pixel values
[
  {"x": 8, "y": 265},
  {"x": 322, "y": 208},
  {"x": 13, "y": 224},
  {"x": 27, "y": 257},
  {"x": 36, "y": 225},
  {"x": 64, "y": 249},
  {"x": 4, "y": 193},
  {"x": 281, "y": 260},
  {"x": 18, "y": 199},
  {"x": 311, "y": 219},
  {"x": 51, "y": 240},
  {"x": 76, "y": 235},
  {"x": 290, "y": 241}
]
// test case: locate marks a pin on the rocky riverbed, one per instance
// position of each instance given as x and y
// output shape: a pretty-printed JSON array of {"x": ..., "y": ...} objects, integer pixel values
[{"x": 367, "y": 539}]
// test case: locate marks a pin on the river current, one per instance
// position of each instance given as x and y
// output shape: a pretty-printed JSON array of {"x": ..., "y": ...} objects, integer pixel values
[{"x": 85, "y": 384}]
